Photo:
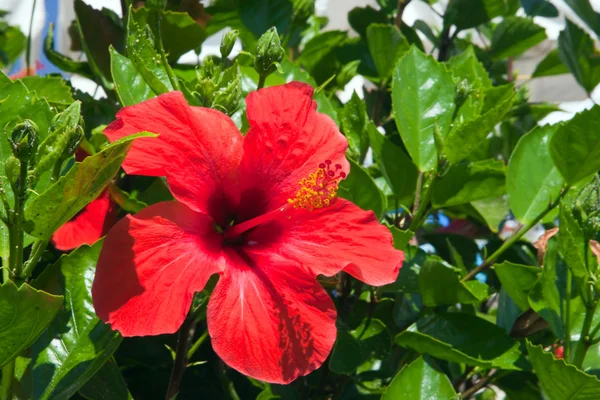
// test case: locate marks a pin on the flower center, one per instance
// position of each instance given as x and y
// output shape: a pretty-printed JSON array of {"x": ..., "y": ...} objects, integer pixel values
[{"x": 316, "y": 191}]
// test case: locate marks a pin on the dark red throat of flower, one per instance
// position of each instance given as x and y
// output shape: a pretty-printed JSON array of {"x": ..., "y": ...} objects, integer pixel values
[{"x": 317, "y": 190}]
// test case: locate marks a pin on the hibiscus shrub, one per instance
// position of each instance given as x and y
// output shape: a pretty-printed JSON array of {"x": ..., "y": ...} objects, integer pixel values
[{"x": 248, "y": 228}]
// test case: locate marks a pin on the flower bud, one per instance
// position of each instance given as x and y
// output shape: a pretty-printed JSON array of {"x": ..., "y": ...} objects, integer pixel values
[
  {"x": 24, "y": 140},
  {"x": 227, "y": 98},
  {"x": 72, "y": 140},
  {"x": 268, "y": 53},
  {"x": 228, "y": 42}
]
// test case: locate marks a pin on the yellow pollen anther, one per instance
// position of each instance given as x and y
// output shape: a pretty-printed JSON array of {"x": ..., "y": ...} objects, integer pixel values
[{"x": 318, "y": 189}]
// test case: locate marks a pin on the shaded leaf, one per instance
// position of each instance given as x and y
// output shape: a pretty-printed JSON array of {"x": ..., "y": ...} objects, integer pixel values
[
  {"x": 578, "y": 53},
  {"x": 517, "y": 280},
  {"x": 361, "y": 189},
  {"x": 514, "y": 35}
]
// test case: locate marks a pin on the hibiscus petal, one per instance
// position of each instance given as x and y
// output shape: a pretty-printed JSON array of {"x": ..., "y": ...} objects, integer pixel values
[
  {"x": 339, "y": 237},
  {"x": 198, "y": 150},
  {"x": 287, "y": 140},
  {"x": 88, "y": 226},
  {"x": 270, "y": 319},
  {"x": 150, "y": 266}
]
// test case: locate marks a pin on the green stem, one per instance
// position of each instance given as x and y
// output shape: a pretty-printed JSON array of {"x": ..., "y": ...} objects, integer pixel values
[
  {"x": 567, "y": 338},
  {"x": 423, "y": 199},
  {"x": 8, "y": 373},
  {"x": 197, "y": 345},
  {"x": 261, "y": 82},
  {"x": 594, "y": 333},
  {"x": 28, "y": 51},
  {"x": 584, "y": 340},
  {"x": 513, "y": 239},
  {"x": 36, "y": 254},
  {"x": 15, "y": 229},
  {"x": 186, "y": 332}
]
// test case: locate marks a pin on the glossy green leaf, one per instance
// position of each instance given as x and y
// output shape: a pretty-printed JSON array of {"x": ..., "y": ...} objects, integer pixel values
[
  {"x": 559, "y": 380},
  {"x": 572, "y": 240},
  {"x": 467, "y": 182},
  {"x": 422, "y": 100},
  {"x": 106, "y": 384},
  {"x": 82, "y": 184},
  {"x": 480, "y": 11},
  {"x": 371, "y": 339},
  {"x": 51, "y": 88},
  {"x": 179, "y": 32},
  {"x": 575, "y": 146},
  {"x": 77, "y": 344},
  {"x": 12, "y": 44},
  {"x": 360, "y": 189},
  {"x": 493, "y": 210},
  {"x": 466, "y": 66},
  {"x": 517, "y": 280},
  {"x": 463, "y": 338},
  {"x": 466, "y": 135},
  {"x": 419, "y": 381},
  {"x": 24, "y": 314},
  {"x": 354, "y": 121},
  {"x": 386, "y": 45},
  {"x": 578, "y": 53},
  {"x": 584, "y": 10},
  {"x": 514, "y": 35},
  {"x": 397, "y": 168},
  {"x": 440, "y": 284},
  {"x": 147, "y": 61},
  {"x": 129, "y": 83},
  {"x": 400, "y": 237},
  {"x": 550, "y": 65},
  {"x": 99, "y": 30},
  {"x": 533, "y": 181}
]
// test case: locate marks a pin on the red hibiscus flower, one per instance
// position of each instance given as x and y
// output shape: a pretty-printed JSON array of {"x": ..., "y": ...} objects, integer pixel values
[
  {"x": 89, "y": 225},
  {"x": 259, "y": 210}
]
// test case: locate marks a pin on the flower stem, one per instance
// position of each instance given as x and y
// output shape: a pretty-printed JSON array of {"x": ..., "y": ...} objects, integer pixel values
[
  {"x": 15, "y": 229},
  {"x": 513, "y": 239},
  {"x": 8, "y": 373},
  {"x": 567, "y": 338},
  {"x": 197, "y": 345},
  {"x": 585, "y": 340},
  {"x": 261, "y": 82},
  {"x": 422, "y": 198},
  {"x": 186, "y": 333},
  {"x": 36, "y": 254}
]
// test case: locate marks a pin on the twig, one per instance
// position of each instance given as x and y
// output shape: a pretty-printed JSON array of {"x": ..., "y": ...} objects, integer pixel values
[
  {"x": 186, "y": 332},
  {"x": 478, "y": 385}
]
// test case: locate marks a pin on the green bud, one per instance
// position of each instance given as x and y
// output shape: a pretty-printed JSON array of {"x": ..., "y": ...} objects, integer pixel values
[
  {"x": 24, "y": 140},
  {"x": 228, "y": 41},
  {"x": 72, "y": 141},
  {"x": 586, "y": 208},
  {"x": 269, "y": 53},
  {"x": 303, "y": 9},
  {"x": 463, "y": 90},
  {"x": 227, "y": 98},
  {"x": 12, "y": 167}
]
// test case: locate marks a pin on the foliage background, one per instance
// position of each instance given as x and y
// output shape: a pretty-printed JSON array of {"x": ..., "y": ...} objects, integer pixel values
[{"x": 479, "y": 310}]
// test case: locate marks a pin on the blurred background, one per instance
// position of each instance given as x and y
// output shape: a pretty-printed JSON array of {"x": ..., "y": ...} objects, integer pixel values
[{"x": 561, "y": 89}]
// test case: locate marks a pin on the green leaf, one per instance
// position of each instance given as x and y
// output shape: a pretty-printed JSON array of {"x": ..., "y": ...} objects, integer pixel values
[
  {"x": 440, "y": 284},
  {"x": 361, "y": 189},
  {"x": 51, "y": 88},
  {"x": 542, "y": 8},
  {"x": 400, "y": 237},
  {"x": 575, "y": 146},
  {"x": 24, "y": 314},
  {"x": 514, "y": 35},
  {"x": 371, "y": 339},
  {"x": 398, "y": 170},
  {"x": 479, "y": 12},
  {"x": 463, "y": 338},
  {"x": 99, "y": 29},
  {"x": 107, "y": 383},
  {"x": 12, "y": 44},
  {"x": 467, "y": 182},
  {"x": 408, "y": 278},
  {"x": 73, "y": 191},
  {"x": 572, "y": 240},
  {"x": 560, "y": 380},
  {"x": 419, "y": 381},
  {"x": 517, "y": 280},
  {"x": 360, "y": 18},
  {"x": 178, "y": 31},
  {"x": 533, "y": 181},
  {"x": 320, "y": 50},
  {"x": 354, "y": 121},
  {"x": 466, "y": 66},
  {"x": 466, "y": 136},
  {"x": 63, "y": 62},
  {"x": 77, "y": 344},
  {"x": 579, "y": 54},
  {"x": 129, "y": 83},
  {"x": 550, "y": 65},
  {"x": 386, "y": 45},
  {"x": 422, "y": 100},
  {"x": 147, "y": 61},
  {"x": 493, "y": 211},
  {"x": 584, "y": 10}
]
